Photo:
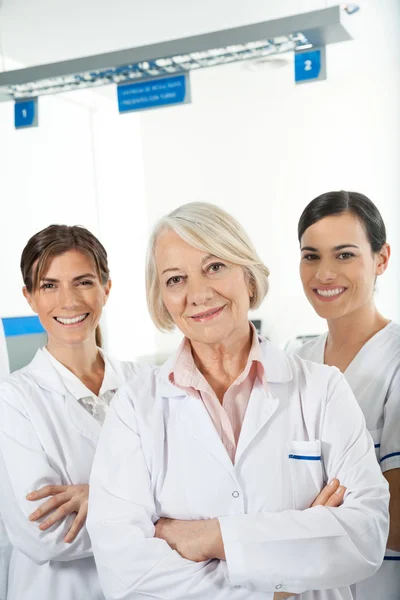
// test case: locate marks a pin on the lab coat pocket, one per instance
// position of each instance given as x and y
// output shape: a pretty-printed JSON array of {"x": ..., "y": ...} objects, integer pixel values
[
  {"x": 376, "y": 435},
  {"x": 306, "y": 472}
]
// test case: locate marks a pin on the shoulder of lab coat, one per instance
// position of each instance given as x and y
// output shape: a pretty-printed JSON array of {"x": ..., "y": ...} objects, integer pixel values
[{"x": 21, "y": 393}]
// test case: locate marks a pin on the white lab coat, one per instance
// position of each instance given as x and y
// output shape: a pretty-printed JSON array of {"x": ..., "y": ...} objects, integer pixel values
[
  {"x": 46, "y": 437},
  {"x": 5, "y": 556},
  {"x": 159, "y": 455},
  {"x": 374, "y": 377},
  {"x": 4, "y": 362},
  {"x": 5, "y": 548}
]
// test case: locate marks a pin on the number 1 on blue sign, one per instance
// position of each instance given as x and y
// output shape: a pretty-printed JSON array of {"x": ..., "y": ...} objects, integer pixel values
[{"x": 26, "y": 113}]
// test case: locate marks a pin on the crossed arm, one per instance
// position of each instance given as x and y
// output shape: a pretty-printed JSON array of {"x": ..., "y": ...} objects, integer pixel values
[{"x": 202, "y": 540}]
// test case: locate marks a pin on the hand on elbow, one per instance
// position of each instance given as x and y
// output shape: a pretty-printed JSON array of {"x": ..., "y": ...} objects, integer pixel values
[
  {"x": 197, "y": 541},
  {"x": 332, "y": 495},
  {"x": 65, "y": 499}
]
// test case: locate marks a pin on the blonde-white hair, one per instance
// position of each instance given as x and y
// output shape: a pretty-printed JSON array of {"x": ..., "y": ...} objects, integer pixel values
[{"x": 210, "y": 229}]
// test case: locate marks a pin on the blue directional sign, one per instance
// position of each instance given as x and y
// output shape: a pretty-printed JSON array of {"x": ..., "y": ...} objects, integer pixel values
[
  {"x": 309, "y": 65},
  {"x": 26, "y": 113},
  {"x": 164, "y": 91}
]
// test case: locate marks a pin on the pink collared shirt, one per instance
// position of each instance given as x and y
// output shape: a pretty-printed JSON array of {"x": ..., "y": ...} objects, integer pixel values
[{"x": 227, "y": 416}]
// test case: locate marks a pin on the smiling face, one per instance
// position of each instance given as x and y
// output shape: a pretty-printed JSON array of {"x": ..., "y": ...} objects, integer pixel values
[
  {"x": 338, "y": 268},
  {"x": 208, "y": 298},
  {"x": 70, "y": 298}
]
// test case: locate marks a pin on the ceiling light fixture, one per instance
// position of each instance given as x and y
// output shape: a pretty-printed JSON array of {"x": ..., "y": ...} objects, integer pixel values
[{"x": 297, "y": 32}]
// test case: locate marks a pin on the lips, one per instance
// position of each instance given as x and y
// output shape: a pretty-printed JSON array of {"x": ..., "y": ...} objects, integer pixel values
[{"x": 208, "y": 315}]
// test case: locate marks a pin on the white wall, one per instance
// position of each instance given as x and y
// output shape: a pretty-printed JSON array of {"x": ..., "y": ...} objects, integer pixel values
[
  {"x": 46, "y": 176},
  {"x": 82, "y": 165},
  {"x": 123, "y": 229},
  {"x": 262, "y": 148}
]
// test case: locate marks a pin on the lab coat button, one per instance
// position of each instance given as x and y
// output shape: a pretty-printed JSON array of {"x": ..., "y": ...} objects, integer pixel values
[
  {"x": 235, "y": 494},
  {"x": 278, "y": 587}
]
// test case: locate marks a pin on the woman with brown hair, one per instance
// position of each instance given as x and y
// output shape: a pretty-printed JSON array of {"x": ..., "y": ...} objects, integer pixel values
[{"x": 51, "y": 413}]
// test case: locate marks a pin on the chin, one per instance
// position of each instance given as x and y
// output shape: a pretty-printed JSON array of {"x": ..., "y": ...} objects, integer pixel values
[
  {"x": 72, "y": 340},
  {"x": 329, "y": 312}
]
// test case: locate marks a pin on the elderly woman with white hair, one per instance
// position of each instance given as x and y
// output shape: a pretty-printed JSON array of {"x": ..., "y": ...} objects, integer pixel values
[{"x": 206, "y": 471}]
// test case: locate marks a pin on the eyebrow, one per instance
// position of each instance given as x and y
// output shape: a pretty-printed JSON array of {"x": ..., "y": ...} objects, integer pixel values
[
  {"x": 77, "y": 278},
  {"x": 336, "y": 248},
  {"x": 205, "y": 259}
]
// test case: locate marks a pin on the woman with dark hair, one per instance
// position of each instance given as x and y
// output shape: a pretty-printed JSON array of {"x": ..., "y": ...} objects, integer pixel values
[
  {"x": 51, "y": 414},
  {"x": 343, "y": 250}
]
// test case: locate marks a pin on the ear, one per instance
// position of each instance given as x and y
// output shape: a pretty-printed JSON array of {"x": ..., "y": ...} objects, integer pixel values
[
  {"x": 252, "y": 290},
  {"x": 29, "y": 298},
  {"x": 107, "y": 289},
  {"x": 382, "y": 259}
]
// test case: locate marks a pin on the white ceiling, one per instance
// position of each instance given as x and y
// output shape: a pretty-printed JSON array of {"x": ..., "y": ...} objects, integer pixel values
[{"x": 36, "y": 32}]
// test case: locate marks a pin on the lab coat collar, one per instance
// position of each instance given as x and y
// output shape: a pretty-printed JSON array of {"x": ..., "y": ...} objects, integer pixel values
[
  {"x": 45, "y": 374},
  {"x": 275, "y": 361},
  {"x": 46, "y": 377}
]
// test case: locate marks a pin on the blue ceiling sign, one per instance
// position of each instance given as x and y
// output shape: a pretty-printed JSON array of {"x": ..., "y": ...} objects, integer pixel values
[
  {"x": 26, "y": 113},
  {"x": 309, "y": 65},
  {"x": 164, "y": 91}
]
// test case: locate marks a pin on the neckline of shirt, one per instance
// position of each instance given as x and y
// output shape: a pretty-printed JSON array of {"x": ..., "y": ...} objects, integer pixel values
[{"x": 75, "y": 386}]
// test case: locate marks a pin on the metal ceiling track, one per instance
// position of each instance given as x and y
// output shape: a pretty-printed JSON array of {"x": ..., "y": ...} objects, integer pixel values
[{"x": 297, "y": 32}]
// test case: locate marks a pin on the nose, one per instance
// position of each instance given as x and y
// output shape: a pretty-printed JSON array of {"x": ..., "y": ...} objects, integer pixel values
[
  {"x": 67, "y": 298},
  {"x": 326, "y": 273},
  {"x": 199, "y": 291}
]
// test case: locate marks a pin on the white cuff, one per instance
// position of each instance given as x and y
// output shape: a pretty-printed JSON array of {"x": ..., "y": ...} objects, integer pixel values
[{"x": 235, "y": 565}]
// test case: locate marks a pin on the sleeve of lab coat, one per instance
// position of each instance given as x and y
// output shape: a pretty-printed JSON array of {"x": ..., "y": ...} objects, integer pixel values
[
  {"x": 4, "y": 364},
  {"x": 24, "y": 467},
  {"x": 131, "y": 563},
  {"x": 390, "y": 440},
  {"x": 5, "y": 555},
  {"x": 318, "y": 548}
]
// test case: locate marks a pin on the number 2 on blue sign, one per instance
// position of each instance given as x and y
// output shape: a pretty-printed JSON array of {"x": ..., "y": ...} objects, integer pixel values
[{"x": 309, "y": 65}]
